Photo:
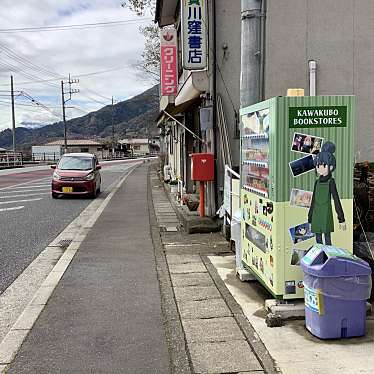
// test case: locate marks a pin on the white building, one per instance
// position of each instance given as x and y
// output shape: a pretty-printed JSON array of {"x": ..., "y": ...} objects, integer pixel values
[
  {"x": 139, "y": 147},
  {"x": 53, "y": 151}
]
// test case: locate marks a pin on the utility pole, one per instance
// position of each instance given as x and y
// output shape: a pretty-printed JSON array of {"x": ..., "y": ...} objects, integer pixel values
[
  {"x": 13, "y": 119},
  {"x": 63, "y": 116},
  {"x": 113, "y": 146},
  {"x": 64, "y": 101}
]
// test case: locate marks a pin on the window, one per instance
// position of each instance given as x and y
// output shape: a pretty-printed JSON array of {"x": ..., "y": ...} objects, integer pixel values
[
  {"x": 84, "y": 150},
  {"x": 136, "y": 147}
]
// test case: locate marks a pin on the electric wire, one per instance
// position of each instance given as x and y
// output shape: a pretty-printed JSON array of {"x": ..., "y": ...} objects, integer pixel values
[
  {"x": 75, "y": 26},
  {"x": 31, "y": 76},
  {"x": 26, "y": 62}
]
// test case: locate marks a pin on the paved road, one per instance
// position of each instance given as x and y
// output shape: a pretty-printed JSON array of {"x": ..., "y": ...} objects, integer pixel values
[
  {"x": 30, "y": 219},
  {"x": 105, "y": 315}
]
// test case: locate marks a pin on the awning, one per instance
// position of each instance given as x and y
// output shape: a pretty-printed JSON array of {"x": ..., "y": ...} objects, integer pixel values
[
  {"x": 196, "y": 84},
  {"x": 174, "y": 111}
]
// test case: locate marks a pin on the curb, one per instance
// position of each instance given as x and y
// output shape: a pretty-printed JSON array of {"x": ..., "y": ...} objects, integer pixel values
[
  {"x": 258, "y": 347},
  {"x": 180, "y": 362},
  {"x": 13, "y": 340}
]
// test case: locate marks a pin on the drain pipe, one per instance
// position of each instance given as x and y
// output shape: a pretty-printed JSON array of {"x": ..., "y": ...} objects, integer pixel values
[
  {"x": 250, "y": 52},
  {"x": 312, "y": 77},
  {"x": 263, "y": 48}
]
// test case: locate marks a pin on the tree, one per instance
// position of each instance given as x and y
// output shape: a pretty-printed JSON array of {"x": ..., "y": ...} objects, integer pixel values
[
  {"x": 140, "y": 6},
  {"x": 151, "y": 54}
]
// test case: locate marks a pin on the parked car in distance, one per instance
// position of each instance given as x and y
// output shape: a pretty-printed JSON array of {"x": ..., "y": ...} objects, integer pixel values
[{"x": 76, "y": 174}]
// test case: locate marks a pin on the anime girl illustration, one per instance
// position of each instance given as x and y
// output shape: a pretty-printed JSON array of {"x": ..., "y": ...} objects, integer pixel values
[
  {"x": 320, "y": 211},
  {"x": 316, "y": 146},
  {"x": 297, "y": 143},
  {"x": 307, "y": 145}
]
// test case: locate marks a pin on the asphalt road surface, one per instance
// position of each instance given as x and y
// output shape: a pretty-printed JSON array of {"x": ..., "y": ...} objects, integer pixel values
[{"x": 30, "y": 219}]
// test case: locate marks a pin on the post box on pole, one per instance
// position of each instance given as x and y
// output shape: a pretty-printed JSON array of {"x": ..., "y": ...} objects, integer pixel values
[{"x": 202, "y": 170}]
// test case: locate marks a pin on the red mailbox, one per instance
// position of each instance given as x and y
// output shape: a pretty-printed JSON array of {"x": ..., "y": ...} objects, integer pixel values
[{"x": 202, "y": 167}]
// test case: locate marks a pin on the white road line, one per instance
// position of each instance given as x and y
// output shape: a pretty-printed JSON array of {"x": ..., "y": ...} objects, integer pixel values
[
  {"x": 20, "y": 201},
  {"x": 24, "y": 195},
  {"x": 30, "y": 186},
  {"x": 21, "y": 184},
  {"x": 13, "y": 208},
  {"x": 39, "y": 189}
]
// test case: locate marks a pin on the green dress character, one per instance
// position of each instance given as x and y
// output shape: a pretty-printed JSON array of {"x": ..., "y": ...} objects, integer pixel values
[{"x": 320, "y": 211}]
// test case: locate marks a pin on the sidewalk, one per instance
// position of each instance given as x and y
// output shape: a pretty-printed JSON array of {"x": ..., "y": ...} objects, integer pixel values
[{"x": 216, "y": 331}]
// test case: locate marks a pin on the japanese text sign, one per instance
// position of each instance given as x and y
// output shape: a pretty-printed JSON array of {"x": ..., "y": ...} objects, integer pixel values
[
  {"x": 194, "y": 31},
  {"x": 169, "y": 64}
]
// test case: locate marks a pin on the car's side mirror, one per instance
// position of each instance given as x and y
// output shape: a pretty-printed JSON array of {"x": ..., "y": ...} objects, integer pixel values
[
  {"x": 98, "y": 167},
  {"x": 53, "y": 166}
]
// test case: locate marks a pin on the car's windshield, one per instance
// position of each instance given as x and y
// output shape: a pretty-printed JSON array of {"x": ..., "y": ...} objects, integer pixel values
[{"x": 75, "y": 163}]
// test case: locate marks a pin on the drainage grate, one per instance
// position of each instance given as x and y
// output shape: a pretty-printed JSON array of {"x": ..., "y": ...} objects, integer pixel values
[{"x": 64, "y": 243}]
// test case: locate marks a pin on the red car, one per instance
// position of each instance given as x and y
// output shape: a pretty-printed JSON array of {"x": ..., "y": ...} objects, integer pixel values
[{"x": 76, "y": 174}]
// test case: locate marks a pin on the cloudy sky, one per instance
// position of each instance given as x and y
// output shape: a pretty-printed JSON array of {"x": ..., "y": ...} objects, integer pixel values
[{"x": 104, "y": 58}]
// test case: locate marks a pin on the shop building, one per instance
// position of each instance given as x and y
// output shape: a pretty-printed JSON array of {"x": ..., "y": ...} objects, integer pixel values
[
  {"x": 208, "y": 78},
  {"x": 256, "y": 50}
]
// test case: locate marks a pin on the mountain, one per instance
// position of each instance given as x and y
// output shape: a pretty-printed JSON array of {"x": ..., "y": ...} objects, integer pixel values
[{"x": 135, "y": 117}]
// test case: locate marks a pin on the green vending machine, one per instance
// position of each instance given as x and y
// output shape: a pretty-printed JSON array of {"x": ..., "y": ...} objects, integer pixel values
[{"x": 297, "y": 159}]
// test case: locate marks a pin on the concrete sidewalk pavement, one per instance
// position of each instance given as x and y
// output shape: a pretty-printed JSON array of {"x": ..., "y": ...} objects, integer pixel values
[{"x": 217, "y": 334}]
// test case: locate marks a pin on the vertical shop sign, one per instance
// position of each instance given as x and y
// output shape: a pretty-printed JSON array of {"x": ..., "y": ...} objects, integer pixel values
[
  {"x": 194, "y": 30},
  {"x": 169, "y": 64}
]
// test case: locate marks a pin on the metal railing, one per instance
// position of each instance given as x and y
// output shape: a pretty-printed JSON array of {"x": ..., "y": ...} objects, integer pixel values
[
  {"x": 45, "y": 157},
  {"x": 10, "y": 159},
  {"x": 231, "y": 194}
]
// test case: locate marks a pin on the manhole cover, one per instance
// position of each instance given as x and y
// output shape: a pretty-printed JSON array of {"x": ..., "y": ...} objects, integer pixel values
[{"x": 65, "y": 243}]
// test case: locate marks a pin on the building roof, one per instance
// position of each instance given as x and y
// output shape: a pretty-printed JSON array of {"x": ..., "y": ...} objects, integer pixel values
[
  {"x": 75, "y": 142},
  {"x": 134, "y": 141}
]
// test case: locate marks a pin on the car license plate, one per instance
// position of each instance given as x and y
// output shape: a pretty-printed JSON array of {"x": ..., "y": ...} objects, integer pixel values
[{"x": 67, "y": 189}]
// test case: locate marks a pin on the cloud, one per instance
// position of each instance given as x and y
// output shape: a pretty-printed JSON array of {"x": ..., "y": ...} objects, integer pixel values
[{"x": 75, "y": 51}]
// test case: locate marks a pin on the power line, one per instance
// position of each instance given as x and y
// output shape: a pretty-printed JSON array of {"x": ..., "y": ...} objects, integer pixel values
[
  {"x": 75, "y": 26},
  {"x": 95, "y": 93},
  {"x": 26, "y": 62},
  {"x": 16, "y": 69}
]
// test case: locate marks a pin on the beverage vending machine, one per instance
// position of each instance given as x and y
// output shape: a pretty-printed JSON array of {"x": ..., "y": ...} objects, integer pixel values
[{"x": 297, "y": 160}]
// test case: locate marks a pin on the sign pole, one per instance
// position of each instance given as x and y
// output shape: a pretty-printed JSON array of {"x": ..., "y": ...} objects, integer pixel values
[{"x": 202, "y": 199}]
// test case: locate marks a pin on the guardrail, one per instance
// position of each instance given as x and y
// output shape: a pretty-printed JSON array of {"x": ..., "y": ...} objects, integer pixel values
[
  {"x": 55, "y": 157},
  {"x": 10, "y": 159}
]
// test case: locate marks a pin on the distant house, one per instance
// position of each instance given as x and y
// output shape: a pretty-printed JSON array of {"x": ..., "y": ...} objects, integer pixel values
[
  {"x": 53, "y": 151},
  {"x": 136, "y": 147}
]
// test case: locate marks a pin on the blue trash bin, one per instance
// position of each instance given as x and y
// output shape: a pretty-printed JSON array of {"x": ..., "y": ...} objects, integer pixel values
[{"x": 336, "y": 287}]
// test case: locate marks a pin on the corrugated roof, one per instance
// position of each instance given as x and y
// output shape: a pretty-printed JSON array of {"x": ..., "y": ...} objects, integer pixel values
[
  {"x": 134, "y": 141},
  {"x": 75, "y": 142}
]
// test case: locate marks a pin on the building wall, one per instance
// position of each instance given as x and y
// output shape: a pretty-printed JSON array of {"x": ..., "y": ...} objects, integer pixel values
[
  {"x": 46, "y": 152},
  {"x": 228, "y": 19},
  {"x": 142, "y": 150},
  {"x": 339, "y": 35}
]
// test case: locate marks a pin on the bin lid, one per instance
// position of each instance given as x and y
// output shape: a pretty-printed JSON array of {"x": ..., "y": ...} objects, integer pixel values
[{"x": 329, "y": 261}]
